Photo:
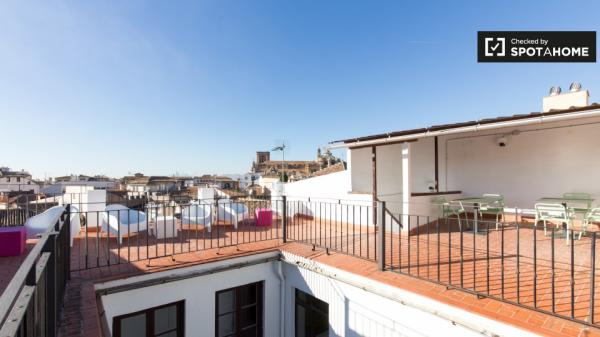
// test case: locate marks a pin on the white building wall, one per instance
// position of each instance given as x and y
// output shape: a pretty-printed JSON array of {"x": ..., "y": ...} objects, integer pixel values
[
  {"x": 360, "y": 162},
  {"x": 199, "y": 296},
  {"x": 328, "y": 197},
  {"x": 540, "y": 161}
]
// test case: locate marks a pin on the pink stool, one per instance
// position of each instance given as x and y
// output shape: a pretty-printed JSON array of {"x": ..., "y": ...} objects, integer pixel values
[
  {"x": 264, "y": 216},
  {"x": 12, "y": 240}
]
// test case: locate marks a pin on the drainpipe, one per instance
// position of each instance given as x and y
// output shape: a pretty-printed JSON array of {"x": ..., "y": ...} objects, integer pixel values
[{"x": 281, "y": 277}]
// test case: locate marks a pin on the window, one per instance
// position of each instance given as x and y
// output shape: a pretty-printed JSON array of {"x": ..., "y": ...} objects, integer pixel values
[
  {"x": 163, "y": 321},
  {"x": 239, "y": 311},
  {"x": 312, "y": 316}
]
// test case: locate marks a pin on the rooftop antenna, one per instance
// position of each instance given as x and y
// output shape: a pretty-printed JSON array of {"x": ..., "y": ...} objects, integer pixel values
[{"x": 281, "y": 148}]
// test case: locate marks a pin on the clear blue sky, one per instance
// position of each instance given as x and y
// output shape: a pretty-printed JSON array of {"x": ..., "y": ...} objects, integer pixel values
[{"x": 98, "y": 87}]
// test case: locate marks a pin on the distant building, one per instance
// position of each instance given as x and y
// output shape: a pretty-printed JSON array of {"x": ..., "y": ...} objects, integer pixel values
[
  {"x": 215, "y": 181},
  {"x": 294, "y": 169},
  {"x": 11, "y": 181},
  {"x": 152, "y": 184},
  {"x": 61, "y": 183}
]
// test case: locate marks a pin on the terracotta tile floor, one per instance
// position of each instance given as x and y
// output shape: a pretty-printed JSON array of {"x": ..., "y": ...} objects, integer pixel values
[
  {"x": 488, "y": 263},
  {"x": 95, "y": 249}
]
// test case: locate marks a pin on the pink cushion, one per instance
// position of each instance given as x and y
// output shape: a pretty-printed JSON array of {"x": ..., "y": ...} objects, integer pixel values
[
  {"x": 264, "y": 216},
  {"x": 13, "y": 241}
]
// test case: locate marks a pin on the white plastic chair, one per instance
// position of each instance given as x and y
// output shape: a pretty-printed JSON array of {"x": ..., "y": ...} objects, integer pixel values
[
  {"x": 232, "y": 212},
  {"x": 122, "y": 221},
  {"x": 197, "y": 214},
  {"x": 553, "y": 213}
]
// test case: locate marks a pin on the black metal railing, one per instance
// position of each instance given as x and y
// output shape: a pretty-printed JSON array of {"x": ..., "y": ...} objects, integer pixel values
[
  {"x": 30, "y": 304},
  {"x": 117, "y": 234},
  {"x": 505, "y": 258},
  {"x": 338, "y": 225},
  {"x": 551, "y": 271}
]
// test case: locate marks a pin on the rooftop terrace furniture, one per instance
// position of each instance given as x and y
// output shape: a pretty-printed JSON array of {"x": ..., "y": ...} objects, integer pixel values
[
  {"x": 42, "y": 223},
  {"x": 232, "y": 212},
  {"x": 197, "y": 213},
  {"x": 122, "y": 222},
  {"x": 263, "y": 216},
  {"x": 449, "y": 208},
  {"x": 585, "y": 198},
  {"x": 579, "y": 202},
  {"x": 493, "y": 206},
  {"x": 593, "y": 216},
  {"x": 557, "y": 213},
  {"x": 165, "y": 227},
  {"x": 476, "y": 203},
  {"x": 13, "y": 241}
]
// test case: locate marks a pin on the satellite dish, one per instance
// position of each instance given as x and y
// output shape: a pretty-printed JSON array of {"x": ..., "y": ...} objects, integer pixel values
[
  {"x": 555, "y": 91},
  {"x": 575, "y": 86}
]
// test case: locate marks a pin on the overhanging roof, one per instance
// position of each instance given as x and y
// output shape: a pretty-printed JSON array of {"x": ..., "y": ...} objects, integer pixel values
[{"x": 486, "y": 123}]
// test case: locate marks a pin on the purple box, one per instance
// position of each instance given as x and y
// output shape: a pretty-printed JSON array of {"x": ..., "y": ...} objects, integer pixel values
[
  {"x": 13, "y": 241},
  {"x": 264, "y": 216}
]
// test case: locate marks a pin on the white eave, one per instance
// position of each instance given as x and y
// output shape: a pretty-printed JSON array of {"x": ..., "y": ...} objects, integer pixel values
[{"x": 471, "y": 128}]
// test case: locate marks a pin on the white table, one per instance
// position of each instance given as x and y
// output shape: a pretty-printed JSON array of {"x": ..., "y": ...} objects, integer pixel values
[{"x": 165, "y": 227}]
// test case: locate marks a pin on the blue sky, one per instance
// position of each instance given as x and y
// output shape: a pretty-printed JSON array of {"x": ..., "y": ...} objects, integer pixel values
[{"x": 164, "y": 87}]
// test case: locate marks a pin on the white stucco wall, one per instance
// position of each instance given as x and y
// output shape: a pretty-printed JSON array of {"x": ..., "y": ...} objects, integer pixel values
[
  {"x": 542, "y": 160},
  {"x": 328, "y": 197}
]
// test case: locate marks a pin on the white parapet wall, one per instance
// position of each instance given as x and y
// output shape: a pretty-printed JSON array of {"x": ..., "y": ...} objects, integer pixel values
[{"x": 328, "y": 197}]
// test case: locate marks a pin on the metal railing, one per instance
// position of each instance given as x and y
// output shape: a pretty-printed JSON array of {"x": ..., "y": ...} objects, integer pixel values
[
  {"x": 552, "y": 271},
  {"x": 30, "y": 304},
  {"x": 119, "y": 235},
  {"x": 336, "y": 225}
]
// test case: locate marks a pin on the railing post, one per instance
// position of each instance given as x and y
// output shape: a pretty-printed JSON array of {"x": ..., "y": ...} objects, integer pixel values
[
  {"x": 284, "y": 220},
  {"x": 68, "y": 239},
  {"x": 51, "y": 287},
  {"x": 381, "y": 234}
]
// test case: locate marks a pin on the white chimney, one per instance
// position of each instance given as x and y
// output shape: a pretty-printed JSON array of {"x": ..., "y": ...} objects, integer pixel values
[{"x": 560, "y": 101}]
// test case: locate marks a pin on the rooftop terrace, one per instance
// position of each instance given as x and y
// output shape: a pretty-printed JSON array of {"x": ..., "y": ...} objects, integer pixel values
[{"x": 516, "y": 274}]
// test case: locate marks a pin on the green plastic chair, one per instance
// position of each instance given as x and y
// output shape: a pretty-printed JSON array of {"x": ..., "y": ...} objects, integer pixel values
[
  {"x": 449, "y": 208},
  {"x": 593, "y": 216},
  {"x": 556, "y": 213},
  {"x": 494, "y": 206}
]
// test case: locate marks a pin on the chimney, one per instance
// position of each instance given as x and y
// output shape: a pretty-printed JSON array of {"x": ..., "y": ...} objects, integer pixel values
[{"x": 560, "y": 101}]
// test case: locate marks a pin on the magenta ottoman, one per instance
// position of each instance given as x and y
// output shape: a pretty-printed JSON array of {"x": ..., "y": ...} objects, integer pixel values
[
  {"x": 264, "y": 216},
  {"x": 12, "y": 241}
]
